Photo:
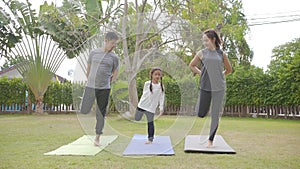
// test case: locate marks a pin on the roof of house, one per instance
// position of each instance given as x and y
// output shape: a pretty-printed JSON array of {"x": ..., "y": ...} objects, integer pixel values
[
  {"x": 7, "y": 70},
  {"x": 60, "y": 78}
]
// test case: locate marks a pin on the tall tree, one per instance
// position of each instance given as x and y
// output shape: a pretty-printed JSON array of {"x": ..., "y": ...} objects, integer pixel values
[
  {"x": 225, "y": 16},
  {"x": 145, "y": 32},
  {"x": 66, "y": 25},
  {"x": 78, "y": 26},
  {"x": 285, "y": 72},
  {"x": 38, "y": 56}
]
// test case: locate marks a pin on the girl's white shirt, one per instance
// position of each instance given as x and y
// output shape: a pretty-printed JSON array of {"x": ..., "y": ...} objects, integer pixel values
[{"x": 150, "y": 100}]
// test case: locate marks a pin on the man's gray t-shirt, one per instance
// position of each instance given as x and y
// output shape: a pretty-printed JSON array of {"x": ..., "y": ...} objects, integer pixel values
[
  {"x": 212, "y": 76},
  {"x": 102, "y": 66}
]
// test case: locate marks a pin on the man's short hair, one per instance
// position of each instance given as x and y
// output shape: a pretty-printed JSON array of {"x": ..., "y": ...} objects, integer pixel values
[{"x": 111, "y": 36}]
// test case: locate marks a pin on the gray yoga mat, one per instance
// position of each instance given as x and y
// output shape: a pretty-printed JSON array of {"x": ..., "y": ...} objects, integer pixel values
[{"x": 195, "y": 143}]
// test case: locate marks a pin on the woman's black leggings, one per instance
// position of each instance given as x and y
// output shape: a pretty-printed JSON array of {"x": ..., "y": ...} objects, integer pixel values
[{"x": 215, "y": 99}]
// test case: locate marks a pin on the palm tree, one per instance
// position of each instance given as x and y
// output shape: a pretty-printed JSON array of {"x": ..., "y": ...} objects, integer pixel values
[{"x": 38, "y": 55}]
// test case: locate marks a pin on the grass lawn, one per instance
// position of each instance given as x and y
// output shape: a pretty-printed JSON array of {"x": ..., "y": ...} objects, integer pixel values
[{"x": 259, "y": 143}]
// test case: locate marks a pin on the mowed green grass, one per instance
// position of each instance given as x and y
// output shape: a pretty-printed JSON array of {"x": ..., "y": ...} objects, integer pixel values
[{"x": 259, "y": 143}]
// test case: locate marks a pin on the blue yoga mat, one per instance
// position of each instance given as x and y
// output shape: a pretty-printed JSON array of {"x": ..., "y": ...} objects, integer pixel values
[{"x": 160, "y": 146}]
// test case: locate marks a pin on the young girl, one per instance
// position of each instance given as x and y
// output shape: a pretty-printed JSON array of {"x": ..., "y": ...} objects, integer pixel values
[
  {"x": 153, "y": 95},
  {"x": 212, "y": 81}
]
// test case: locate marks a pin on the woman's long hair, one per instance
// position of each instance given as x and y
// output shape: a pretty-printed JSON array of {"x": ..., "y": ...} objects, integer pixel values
[{"x": 212, "y": 34}]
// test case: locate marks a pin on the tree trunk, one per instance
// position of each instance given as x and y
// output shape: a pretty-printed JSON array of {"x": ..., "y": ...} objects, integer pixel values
[
  {"x": 277, "y": 110},
  {"x": 128, "y": 68},
  {"x": 267, "y": 111},
  {"x": 284, "y": 108},
  {"x": 39, "y": 106},
  {"x": 133, "y": 96},
  {"x": 29, "y": 106}
]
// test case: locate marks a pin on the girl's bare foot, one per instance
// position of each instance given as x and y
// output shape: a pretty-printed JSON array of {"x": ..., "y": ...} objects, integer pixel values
[
  {"x": 209, "y": 144},
  {"x": 148, "y": 142},
  {"x": 97, "y": 141}
]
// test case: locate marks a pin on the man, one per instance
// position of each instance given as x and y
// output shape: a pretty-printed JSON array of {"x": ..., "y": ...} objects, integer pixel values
[{"x": 102, "y": 69}]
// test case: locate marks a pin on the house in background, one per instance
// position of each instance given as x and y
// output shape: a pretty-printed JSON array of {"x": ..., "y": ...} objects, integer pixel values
[{"x": 12, "y": 72}]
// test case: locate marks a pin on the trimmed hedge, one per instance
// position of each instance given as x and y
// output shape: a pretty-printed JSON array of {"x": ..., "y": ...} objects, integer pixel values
[{"x": 248, "y": 85}]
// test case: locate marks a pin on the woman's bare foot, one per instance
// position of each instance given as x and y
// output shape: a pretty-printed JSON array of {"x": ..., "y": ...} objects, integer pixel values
[
  {"x": 148, "y": 142},
  {"x": 97, "y": 141},
  {"x": 209, "y": 144}
]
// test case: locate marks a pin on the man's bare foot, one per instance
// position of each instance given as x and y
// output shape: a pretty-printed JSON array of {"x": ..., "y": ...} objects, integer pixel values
[
  {"x": 97, "y": 141},
  {"x": 148, "y": 142},
  {"x": 209, "y": 144}
]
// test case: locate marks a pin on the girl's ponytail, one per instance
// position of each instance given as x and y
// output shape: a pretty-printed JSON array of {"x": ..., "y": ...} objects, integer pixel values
[
  {"x": 151, "y": 84},
  {"x": 161, "y": 84}
]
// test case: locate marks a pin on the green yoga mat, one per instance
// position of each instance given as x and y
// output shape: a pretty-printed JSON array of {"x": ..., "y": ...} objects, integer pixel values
[{"x": 83, "y": 146}]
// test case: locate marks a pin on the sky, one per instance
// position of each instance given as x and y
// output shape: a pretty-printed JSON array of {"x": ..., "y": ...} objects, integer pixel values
[{"x": 261, "y": 39}]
